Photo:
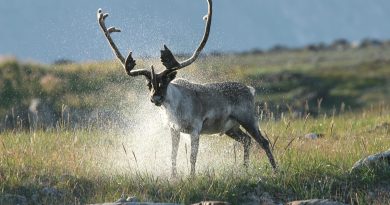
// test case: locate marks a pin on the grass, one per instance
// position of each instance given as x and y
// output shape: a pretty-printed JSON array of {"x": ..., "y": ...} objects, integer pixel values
[
  {"x": 90, "y": 166},
  {"x": 88, "y": 157}
]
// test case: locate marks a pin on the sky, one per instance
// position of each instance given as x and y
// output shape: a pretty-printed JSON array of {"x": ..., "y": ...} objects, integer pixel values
[{"x": 48, "y": 30}]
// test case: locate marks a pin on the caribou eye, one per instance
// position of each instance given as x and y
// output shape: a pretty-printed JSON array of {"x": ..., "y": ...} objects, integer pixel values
[{"x": 149, "y": 85}]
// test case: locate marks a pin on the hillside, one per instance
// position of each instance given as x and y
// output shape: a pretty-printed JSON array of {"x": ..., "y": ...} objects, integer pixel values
[{"x": 296, "y": 82}]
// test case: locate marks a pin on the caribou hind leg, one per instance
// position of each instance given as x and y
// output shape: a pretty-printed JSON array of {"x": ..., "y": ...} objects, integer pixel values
[
  {"x": 256, "y": 134},
  {"x": 252, "y": 128},
  {"x": 265, "y": 145},
  {"x": 240, "y": 136}
]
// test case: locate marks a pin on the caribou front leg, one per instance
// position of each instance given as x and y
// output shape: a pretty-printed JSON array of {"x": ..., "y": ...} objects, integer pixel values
[
  {"x": 194, "y": 150},
  {"x": 175, "y": 145}
]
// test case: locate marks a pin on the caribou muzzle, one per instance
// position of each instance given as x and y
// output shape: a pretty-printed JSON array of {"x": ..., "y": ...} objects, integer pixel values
[{"x": 157, "y": 100}]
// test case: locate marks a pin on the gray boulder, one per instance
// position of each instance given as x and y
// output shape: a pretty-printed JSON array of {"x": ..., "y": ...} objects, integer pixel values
[
  {"x": 313, "y": 136},
  {"x": 375, "y": 161},
  {"x": 315, "y": 202}
]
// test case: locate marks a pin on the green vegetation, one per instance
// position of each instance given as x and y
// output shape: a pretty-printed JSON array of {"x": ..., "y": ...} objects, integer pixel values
[
  {"x": 300, "y": 81},
  {"x": 78, "y": 164},
  {"x": 77, "y": 86}
]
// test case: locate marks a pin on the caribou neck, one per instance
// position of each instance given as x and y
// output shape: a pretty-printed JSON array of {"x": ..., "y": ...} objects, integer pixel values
[{"x": 173, "y": 97}]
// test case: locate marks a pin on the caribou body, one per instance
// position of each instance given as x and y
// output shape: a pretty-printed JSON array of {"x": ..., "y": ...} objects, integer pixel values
[{"x": 196, "y": 109}]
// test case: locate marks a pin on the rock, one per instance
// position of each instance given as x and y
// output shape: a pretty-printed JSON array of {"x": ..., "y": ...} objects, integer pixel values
[
  {"x": 41, "y": 114},
  {"x": 379, "y": 160},
  {"x": 135, "y": 203},
  {"x": 313, "y": 136},
  {"x": 315, "y": 202},
  {"x": 132, "y": 199},
  {"x": 212, "y": 203},
  {"x": 121, "y": 200},
  {"x": 11, "y": 199}
]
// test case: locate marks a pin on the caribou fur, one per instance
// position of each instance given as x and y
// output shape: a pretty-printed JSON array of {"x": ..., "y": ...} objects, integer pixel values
[{"x": 209, "y": 109}]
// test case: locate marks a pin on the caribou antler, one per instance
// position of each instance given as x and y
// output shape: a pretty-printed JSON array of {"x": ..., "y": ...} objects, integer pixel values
[
  {"x": 129, "y": 62},
  {"x": 169, "y": 61},
  {"x": 167, "y": 58}
]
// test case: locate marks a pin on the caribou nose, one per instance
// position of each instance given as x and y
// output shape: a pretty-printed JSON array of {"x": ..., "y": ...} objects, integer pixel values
[{"x": 157, "y": 99}]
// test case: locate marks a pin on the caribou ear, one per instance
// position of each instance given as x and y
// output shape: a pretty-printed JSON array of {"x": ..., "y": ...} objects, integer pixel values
[{"x": 171, "y": 76}]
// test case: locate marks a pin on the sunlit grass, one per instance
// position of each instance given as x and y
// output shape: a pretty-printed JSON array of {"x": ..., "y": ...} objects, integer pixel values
[{"x": 101, "y": 165}]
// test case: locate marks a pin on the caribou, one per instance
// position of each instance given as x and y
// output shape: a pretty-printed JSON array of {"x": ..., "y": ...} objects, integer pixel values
[{"x": 195, "y": 109}]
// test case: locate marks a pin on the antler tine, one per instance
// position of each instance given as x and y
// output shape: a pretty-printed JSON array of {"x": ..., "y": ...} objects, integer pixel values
[
  {"x": 169, "y": 60},
  {"x": 101, "y": 19},
  {"x": 204, "y": 39},
  {"x": 129, "y": 62}
]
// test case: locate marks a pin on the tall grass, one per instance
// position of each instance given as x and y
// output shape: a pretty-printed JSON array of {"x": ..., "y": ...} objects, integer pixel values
[{"x": 88, "y": 166}]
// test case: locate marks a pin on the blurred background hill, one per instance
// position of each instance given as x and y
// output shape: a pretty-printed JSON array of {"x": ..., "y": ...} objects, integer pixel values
[{"x": 315, "y": 79}]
